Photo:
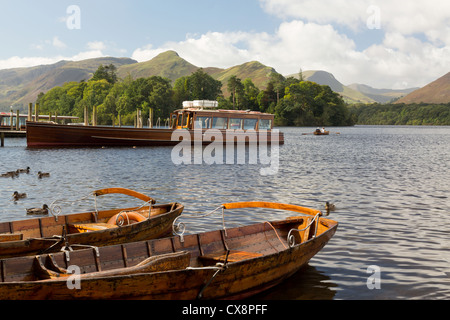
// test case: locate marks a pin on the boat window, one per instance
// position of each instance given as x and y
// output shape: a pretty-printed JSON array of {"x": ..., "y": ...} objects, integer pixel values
[
  {"x": 202, "y": 122},
  {"x": 235, "y": 123},
  {"x": 180, "y": 119},
  {"x": 219, "y": 123},
  {"x": 174, "y": 121},
  {"x": 185, "y": 120},
  {"x": 265, "y": 124},
  {"x": 250, "y": 124}
]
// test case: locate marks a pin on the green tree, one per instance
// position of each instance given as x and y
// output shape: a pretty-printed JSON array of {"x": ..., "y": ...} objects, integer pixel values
[
  {"x": 201, "y": 86},
  {"x": 236, "y": 88},
  {"x": 108, "y": 73}
]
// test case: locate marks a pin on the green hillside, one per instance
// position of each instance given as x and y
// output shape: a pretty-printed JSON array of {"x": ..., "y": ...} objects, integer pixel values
[
  {"x": 167, "y": 64},
  {"x": 20, "y": 86}
]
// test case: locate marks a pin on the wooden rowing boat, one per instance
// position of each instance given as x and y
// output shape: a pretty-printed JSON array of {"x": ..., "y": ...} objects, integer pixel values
[
  {"x": 97, "y": 228},
  {"x": 230, "y": 263},
  {"x": 320, "y": 133}
]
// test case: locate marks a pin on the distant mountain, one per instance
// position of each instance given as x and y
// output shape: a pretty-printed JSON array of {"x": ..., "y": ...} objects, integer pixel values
[
  {"x": 254, "y": 70},
  {"x": 170, "y": 65},
  {"x": 167, "y": 64},
  {"x": 437, "y": 91},
  {"x": 325, "y": 78},
  {"x": 20, "y": 86},
  {"x": 381, "y": 95}
]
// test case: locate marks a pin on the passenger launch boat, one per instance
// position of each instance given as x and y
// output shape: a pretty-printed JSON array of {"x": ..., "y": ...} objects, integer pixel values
[
  {"x": 232, "y": 263},
  {"x": 96, "y": 228},
  {"x": 197, "y": 122}
]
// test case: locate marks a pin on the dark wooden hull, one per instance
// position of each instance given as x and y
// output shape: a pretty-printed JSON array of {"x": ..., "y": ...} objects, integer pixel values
[
  {"x": 271, "y": 261},
  {"x": 47, "y": 227},
  {"x": 44, "y": 135}
]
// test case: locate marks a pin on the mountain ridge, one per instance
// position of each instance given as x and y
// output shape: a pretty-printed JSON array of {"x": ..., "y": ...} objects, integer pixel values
[
  {"x": 437, "y": 92},
  {"x": 19, "y": 86}
]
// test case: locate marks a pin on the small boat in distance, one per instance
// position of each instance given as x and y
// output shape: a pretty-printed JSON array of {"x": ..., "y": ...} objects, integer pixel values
[
  {"x": 229, "y": 263},
  {"x": 321, "y": 132},
  {"x": 196, "y": 117},
  {"x": 96, "y": 228}
]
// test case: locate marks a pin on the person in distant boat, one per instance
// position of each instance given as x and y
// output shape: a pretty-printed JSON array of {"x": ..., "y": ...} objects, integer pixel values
[
  {"x": 318, "y": 130},
  {"x": 322, "y": 130}
]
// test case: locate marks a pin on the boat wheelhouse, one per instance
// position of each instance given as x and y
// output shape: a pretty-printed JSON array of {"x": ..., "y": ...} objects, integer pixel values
[{"x": 196, "y": 116}]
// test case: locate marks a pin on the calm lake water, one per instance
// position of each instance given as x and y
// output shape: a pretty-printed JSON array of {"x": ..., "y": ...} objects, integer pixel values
[{"x": 391, "y": 186}]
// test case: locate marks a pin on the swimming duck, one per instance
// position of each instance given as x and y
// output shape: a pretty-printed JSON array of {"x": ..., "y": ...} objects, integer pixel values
[
  {"x": 27, "y": 170},
  {"x": 38, "y": 211},
  {"x": 329, "y": 207},
  {"x": 17, "y": 195},
  {"x": 43, "y": 174},
  {"x": 10, "y": 174}
]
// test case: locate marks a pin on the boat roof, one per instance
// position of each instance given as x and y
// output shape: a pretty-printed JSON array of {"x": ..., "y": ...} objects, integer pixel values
[{"x": 225, "y": 111}]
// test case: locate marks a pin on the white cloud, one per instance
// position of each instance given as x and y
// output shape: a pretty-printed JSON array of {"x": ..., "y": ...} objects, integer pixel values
[
  {"x": 428, "y": 17},
  {"x": 58, "y": 43},
  {"x": 96, "y": 45},
  {"x": 24, "y": 62}
]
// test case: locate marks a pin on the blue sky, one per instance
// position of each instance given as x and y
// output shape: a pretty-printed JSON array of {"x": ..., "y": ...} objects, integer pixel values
[{"x": 382, "y": 43}]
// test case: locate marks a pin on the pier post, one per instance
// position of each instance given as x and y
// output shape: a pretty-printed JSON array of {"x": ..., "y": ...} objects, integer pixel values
[
  {"x": 36, "y": 112},
  {"x": 94, "y": 116},
  {"x": 17, "y": 120},
  {"x": 11, "y": 120},
  {"x": 30, "y": 112},
  {"x": 2, "y": 138},
  {"x": 86, "y": 120},
  {"x": 150, "y": 118}
]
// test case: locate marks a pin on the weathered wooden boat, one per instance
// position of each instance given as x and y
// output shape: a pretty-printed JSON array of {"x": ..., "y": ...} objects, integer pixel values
[
  {"x": 232, "y": 263},
  {"x": 196, "y": 123},
  {"x": 96, "y": 228}
]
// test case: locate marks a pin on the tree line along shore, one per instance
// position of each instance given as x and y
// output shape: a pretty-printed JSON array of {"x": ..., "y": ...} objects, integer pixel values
[{"x": 294, "y": 102}]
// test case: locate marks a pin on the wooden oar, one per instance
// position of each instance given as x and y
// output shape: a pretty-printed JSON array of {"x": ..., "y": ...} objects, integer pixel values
[{"x": 271, "y": 205}]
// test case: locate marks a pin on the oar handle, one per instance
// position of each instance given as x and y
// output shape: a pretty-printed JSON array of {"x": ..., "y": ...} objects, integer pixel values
[
  {"x": 127, "y": 192},
  {"x": 271, "y": 205}
]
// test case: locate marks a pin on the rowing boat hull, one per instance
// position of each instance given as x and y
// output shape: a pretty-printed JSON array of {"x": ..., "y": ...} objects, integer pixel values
[
  {"x": 240, "y": 279},
  {"x": 155, "y": 227},
  {"x": 45, "y": 135}
]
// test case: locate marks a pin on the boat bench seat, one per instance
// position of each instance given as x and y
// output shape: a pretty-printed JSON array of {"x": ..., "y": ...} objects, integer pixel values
[
  {"x": 11, "y": 237},
  {"x": 88, "y": 227},
  {"x": 233, "y": 256}
]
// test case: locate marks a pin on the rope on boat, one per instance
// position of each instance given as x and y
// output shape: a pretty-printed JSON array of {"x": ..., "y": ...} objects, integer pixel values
[
  {"x": 276, "y": 234},
  {"x": 219, "y": 267}
]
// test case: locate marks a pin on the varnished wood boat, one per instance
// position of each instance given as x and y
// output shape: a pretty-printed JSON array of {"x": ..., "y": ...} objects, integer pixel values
[
  {"x": 230, "y": 263},
  {"x": 193, "y": 123},
  {"x": 97, "y": 228}
]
